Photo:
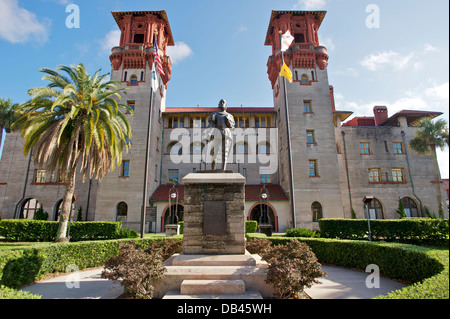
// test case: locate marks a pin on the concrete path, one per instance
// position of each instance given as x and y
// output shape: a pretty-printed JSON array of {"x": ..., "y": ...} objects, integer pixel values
[{"x": 340, "y": 283}]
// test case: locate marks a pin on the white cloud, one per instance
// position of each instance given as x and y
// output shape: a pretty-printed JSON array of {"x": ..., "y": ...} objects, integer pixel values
[
  {"x": 328, "y": 43},
  {"x": 179, "y": 52},
  {"x": 111, "y": 40},
  {"x": 439, "y": 92},
  {"x": 430, "y": 48},
  {"x": 240, "y": 29},
  {"x": 374, "y": 62},
  {"x": 310, "y": 4},
  {"x": 18, "y": 25}
]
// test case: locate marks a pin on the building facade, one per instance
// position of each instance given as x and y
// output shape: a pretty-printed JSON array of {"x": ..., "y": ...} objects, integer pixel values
[{"x": 309, "y": 159}]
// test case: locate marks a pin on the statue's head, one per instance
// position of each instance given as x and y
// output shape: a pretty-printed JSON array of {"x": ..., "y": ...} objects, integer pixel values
[{"x": 222, "y": 105}]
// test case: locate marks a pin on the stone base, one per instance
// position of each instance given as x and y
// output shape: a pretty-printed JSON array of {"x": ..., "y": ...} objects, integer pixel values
[
  {"x": 172, "y": 230},
  {"x": 247, "y": 268},
  {"x": 214, "y": 214}
]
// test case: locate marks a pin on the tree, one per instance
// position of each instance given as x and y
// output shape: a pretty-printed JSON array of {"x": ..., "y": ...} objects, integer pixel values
[
  {"x": 75, "y": 122},
  {"x": 429, "y": 136},
  {"x": 7, "y": 117}
]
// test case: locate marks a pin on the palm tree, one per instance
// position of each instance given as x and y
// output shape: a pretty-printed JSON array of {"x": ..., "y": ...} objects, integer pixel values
[
  {"x": 74, "y": 122},
  {"x": 429, "y": 136},
  {"x": 7, "y": 117}
]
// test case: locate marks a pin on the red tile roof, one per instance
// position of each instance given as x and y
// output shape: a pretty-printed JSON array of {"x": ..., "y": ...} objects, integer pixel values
[{"x": 275, "y": 192}]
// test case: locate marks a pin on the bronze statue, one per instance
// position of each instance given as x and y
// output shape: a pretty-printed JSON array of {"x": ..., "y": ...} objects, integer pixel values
[{"x": 222, "y": 123}]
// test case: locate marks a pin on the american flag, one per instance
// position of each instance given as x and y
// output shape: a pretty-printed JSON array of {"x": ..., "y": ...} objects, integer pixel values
[{"x": 158, "y": 58}]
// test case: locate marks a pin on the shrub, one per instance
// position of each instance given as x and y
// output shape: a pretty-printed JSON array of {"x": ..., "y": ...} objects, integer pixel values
[
  {"x": 139, "y": 269},
  {"x": 39, "y": 230},
  {"x": 302, "y": 232},
  {"x": 128, "y": 233},
  {"x": 292, "y": 266},
  {"x": 408, "y": 230},
  {"x": 251, "y": 226},
  {"x": 9, "y": 293}
]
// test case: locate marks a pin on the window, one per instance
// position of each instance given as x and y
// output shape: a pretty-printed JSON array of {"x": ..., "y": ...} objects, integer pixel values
[
  {"x": 29, "y": 208},
  {"x": 375, "y": 209},
  {"x": 132, "y": 105},
  {"x": 197, "y": 121},
  {"x": 173, "y": 176},
  {"x": 138, "y": 38},
  {"x": 196, "y": 148},
  {"x": 39, "y": 176},
  {"x": 125, "y": 74},
  {"x": 397, "y": 175},
  {"x": 365, "y": 148},
  {"x": 142, "y": 76},
  {"x": 313, "y": 172},
  {"x": 410, "y": 207},
  {"x": 316, "y": 210},
  {"x": 242, "y": 121},
  {"x": 133, "y": 80},
  {"x": 175, "y": 121},
  {"x": 244, "y": 172},
  {"x": 310, "y": 137},
  {"x": 304, "y": 79},
  {"x": 307, "y": 106},
  {"x": 264, "y": 148},
  {"x": 122, "y": 212},
  {"x": 263, "y": 121},
  {"x": 374, "y": 175},
  {"x": 241, "y": 148},
  {"x": 299, "y": 38},
  {"x": 125, "y": 172},
  {"x": 175, "y": 148},
  {"x": 265, "y": 178},
  {"x": 398, "y": 148}
]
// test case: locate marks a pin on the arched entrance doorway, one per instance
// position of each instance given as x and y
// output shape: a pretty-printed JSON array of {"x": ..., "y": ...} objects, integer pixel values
[
  {"x": 257, "y": 213},
  {"x": 176, "y": 211}
]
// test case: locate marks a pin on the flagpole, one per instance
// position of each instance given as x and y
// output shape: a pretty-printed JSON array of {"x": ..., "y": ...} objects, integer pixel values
[
  {"x": 147, "y": 155},
  {"x": 291, "y": 173}
]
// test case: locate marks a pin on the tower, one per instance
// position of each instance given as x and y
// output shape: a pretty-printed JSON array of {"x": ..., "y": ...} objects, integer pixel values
[
  {"x": 131, "y": 64},
  {"x": 316, "y": 178}
]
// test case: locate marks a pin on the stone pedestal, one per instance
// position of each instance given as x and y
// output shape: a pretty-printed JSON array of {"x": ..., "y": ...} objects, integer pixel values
[
  {"x": 172, "y": 230},
  {"x": 214, "y": 214}
]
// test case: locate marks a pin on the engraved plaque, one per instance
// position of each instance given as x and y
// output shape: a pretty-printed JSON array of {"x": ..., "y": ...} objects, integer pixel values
[{"x": 214, "y": 218}]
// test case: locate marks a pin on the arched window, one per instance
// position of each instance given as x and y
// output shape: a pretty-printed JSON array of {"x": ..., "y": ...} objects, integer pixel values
[
  {"x": 174, "y": 148},
  {"x": 410, "y": 207},
  {"x": 304, "y": 79},
  {"x": 133, "y": 80},
  {"x": 375, "y": 209},
  {"x": 316, "y": 211},
  {"x": 29, "y": 208},
  {"x": 122, "y": 212}
]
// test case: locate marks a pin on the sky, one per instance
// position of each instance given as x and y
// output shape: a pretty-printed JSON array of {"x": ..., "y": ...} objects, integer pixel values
[{"x": 392, "y": 53}]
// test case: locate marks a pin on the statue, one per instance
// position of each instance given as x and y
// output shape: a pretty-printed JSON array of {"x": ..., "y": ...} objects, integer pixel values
[{"x": 222, "y": 123}]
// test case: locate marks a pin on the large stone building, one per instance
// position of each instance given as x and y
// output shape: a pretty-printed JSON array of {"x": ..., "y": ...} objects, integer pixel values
[{"x": 312, "y": 162}]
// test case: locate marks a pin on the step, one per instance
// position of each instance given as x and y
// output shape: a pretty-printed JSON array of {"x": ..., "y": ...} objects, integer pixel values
[
  {"x": 214, "y": 260},
  {"x": 249, "y": 294},
  {"x": 212, "y": 287}
]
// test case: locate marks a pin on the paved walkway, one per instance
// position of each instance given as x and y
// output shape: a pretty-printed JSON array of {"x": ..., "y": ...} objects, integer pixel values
[{"x": 340, "y": 283}]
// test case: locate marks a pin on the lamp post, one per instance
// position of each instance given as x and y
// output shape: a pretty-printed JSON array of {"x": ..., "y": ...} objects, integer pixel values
[
  {"x": 367, "y": 200},
  {"x": 265, "y": 225},
  {"x": 172, "y": 227}
]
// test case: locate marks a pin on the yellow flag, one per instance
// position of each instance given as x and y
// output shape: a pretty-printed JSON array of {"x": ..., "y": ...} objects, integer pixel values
[{"x": 286, "y": 72}]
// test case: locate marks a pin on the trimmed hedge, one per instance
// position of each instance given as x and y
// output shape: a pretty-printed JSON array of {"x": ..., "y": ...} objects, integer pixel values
[
  {"x": 251, "y": 226},
  {"x": 39, "y": 230},
  {"x": 25, "y": 266},
  {"x": 408, "y": 230},
  {"x": 425, "y": 268}
]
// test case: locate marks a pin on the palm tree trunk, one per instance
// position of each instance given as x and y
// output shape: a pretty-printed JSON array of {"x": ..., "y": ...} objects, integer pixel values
[
  {"x": 437, "y": 179},
  {"x": 66, "y": 207}
]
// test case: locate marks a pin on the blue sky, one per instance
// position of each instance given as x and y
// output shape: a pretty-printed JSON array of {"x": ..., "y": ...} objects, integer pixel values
[{"x": 220, "y": 50}]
